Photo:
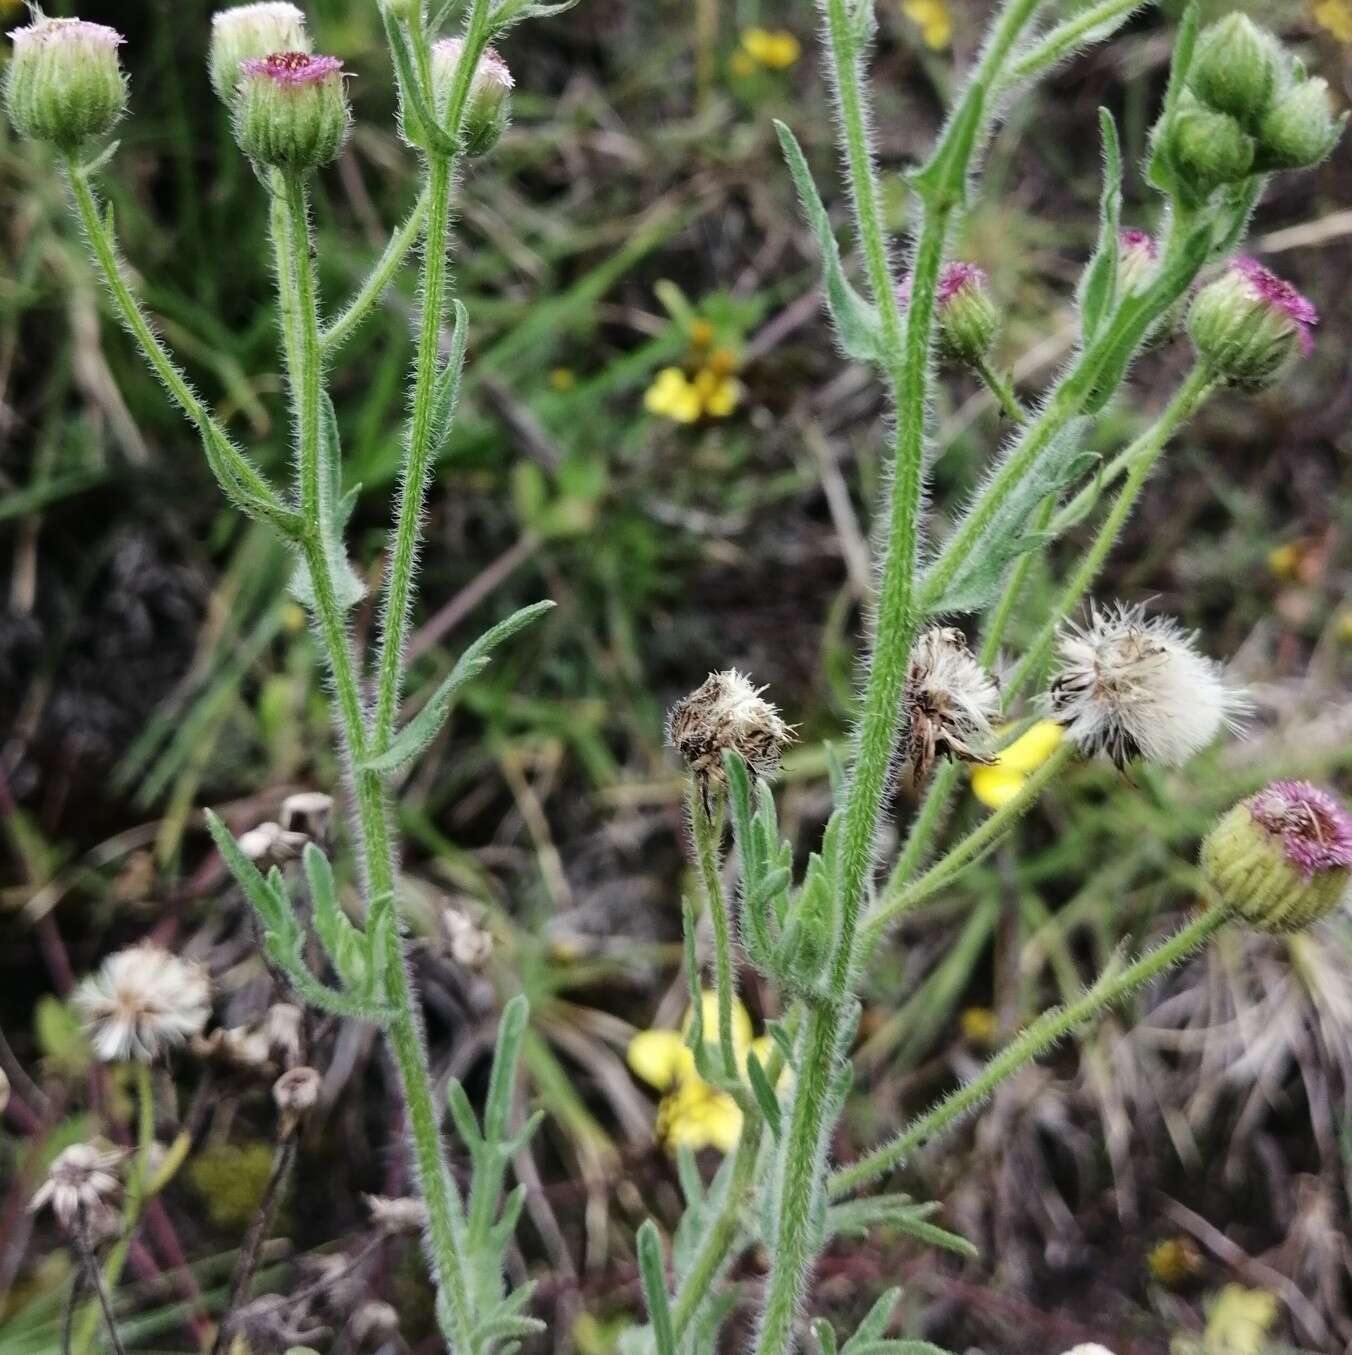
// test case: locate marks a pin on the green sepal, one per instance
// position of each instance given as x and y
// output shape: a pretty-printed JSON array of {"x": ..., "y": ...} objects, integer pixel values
[
  {"x": 1159, "y": 171},
  {"x": 855, "y": 321},
  {"x": 343, "y": 943},
  {"x": 426, "y": 724},
  {"x": 860, "y": 1217}
]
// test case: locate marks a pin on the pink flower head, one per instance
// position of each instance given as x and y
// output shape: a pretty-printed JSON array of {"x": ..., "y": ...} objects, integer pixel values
[
  {"x": 1264, "y": 285},
  {"x": 293, "y": 69},
  {"x": 45, "y": 30},
  {"x": 491, "y": 71},
  {"x": 1132, "y": 240},
  {"x": 953, "y": 279},
  {"x": 1316, "y": 831}
]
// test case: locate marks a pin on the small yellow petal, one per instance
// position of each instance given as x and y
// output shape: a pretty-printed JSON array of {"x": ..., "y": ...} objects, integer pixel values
[
  {"x": 659, "y": 1057},
  {"x": 723, "y": 399},
  {"x": 741, "y": 65},
  {"x": 741, "y": 1023},
  {"x": 996, "y": 786},
  {"x": 563, "y": 378},
  {"x": 1032, "y": 748},
  {"x": 723, "y": 1122},
  {"x": 781, "y": 50},
  {"x": 979, "y": 1025}
]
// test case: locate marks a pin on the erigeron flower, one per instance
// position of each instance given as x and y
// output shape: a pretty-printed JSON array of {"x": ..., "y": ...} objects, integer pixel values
[
  {"x": 143, "y": 1000},
  {"x": 949, "y": 702},
  {"x": 1300, "y": 129},
  {"x": 64, "y": 83},
  {"x": 934, "y": 19},
  {"x": 967, "y": 319},
  {"x": 727, "y": 713},
  {"x": 249, "y": 33},
  {"x": 1281, "y": 859},
  {"x": 692, "y": 1113},
  {"x": 1137, "y": 260},
  {"x": 1236, "y": 68},
  {"x": 488, "y": 104},
  {"x": 1135, "y": 686},
  {"x": 1248, "y": 325},
  {"x": 997, "y": 782},
  {"x": 80, "y": 1185},
  {"x": 291, "y": 110}
]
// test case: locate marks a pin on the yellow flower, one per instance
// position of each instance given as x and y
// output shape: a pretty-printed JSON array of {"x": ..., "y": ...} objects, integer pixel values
[
  {"x": 1335, "y": 16},
  {"x": 563, "y": 379},
  {"x": 1239, "y": 1321},
  {"x": 934, "y": 20},
  {"x": 995, "y": 785},
  {"x": 979, "y": 1025},
  {"x": 1174, "y": 1261},
  {"x": 693, "y": 1114},
  {"x": 775, "y": 49},
  {"x": 713, "y": 392}
]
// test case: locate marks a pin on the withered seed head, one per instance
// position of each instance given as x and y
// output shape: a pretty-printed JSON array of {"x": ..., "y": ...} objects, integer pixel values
[
  {"x": 727, "y": 713},
  {"x": 950, "y": 701}
]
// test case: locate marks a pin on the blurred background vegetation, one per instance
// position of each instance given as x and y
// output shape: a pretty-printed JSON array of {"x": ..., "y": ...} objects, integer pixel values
[{"x": 1182, "y": 1171}]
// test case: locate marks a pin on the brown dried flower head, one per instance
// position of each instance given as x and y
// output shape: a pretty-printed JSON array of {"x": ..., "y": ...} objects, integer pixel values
[
  {"x": 727, "y": 712},
  {"x": 80, "y": 1186},
  {"x": 950, "y": 702},
  {"x": 397, "y": 1214},
  {"x": 296, "y": 1091}
]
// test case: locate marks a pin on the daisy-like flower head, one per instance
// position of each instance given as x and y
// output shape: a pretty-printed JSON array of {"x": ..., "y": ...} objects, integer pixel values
[
  {"x": 950, "y": 701},
  {"x": 1134, "y": 686},
  {"x": 1315, "y": 830},
  {"x": 291, "y": 110},
  {"x": 727, "y": 712},
  {"x": 80, "y": 1183},
  {"x": 143, "y": 1000},
  {"x": 489, "y": 103}
]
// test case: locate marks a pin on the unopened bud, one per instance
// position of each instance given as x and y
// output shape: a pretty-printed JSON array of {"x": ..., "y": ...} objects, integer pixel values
[
  {"x": 1248, "y": 324},
  {"x": 296, "y": 1092},
  {"x": 1281, "y": 859},
  {"x": 1137, "y": 261},
  {"x": 488, "y": 104},
  {"x": 1236, "y": 68},
  {"x": 966, "y": 317},
  {"x": 250, "y": 33},
  {"x": 1299, "y": 130},
  {"x": 64, "y": 83},
  {"x": 1208, "y": 148},
  {"x": 291, "y": 110}
]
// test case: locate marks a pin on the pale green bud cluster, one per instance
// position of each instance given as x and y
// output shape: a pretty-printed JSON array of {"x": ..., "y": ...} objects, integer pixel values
[
  {"x": 65, "y": 83},
  {"x": 1248, "y": 109},
  {"x": 488, "y": 107},
  {"x": 250, "y": 33},
  {"x": 291, "y": 110}
]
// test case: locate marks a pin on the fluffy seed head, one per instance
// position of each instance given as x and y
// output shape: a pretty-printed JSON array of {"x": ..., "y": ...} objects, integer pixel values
[
  {"x": 949, "y": 703},
  {"x": 727, "y": 713},
  {"x": 488, "y": 102},
  {"x": 291, "y": 110},
  {"x": 1135, "y": 686},
  {"x": 64, "y": 83},
  {"x": 80, "y": 1182},
  {"x": 1282, "y": 858},
  {"x": 251, "y": 33},
  {"x": 1249, "y": 324},
  {"x": 142, "y": 1001}
]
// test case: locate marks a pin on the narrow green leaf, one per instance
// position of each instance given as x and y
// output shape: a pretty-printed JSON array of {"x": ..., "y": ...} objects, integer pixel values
[
  {"x": 466, "y": 1122},
  {"x": 763, "y": 1092},
  {"x": 343, "y": 943},
  {"x": 942, "y": 183},
  {"x": 447, "y": 396},
  {"x": 855, "y": 321},
  {"x": 425, "y": 725},
  {"x": 502, "y": 1079},
  {"x": 1099, "y": 286},
  {"x": 274, "y": 910},
  {"x": 652, "y": 1270},
  {"x": 875, "y": 1321}
]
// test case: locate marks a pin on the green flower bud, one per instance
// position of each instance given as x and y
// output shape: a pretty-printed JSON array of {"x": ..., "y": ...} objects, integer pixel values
[
  {"x": 1138, "y": 258},
  {"x": 1208, "y": 148},
  {"x": 967, "y": 317},
  {"x": 1249, "y": 324},
  {"x": 489, "y": 103},
  {"x": 291, "y": 110},
  {"x": 64, "y": 82},
  {"x": 249, "y": 33},
  {"x": 1281, "y": 859},
  {"x": 1299, "y": 129},
  {"x": 1237, "y": 68}
]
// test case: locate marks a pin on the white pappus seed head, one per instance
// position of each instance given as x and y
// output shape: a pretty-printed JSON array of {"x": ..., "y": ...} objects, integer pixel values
[
  {"x": 727, "y": 713},
  {"x": 1132, "y": 685},
  {"x": 950, "y": 701},
  {"x": 143, "y": 1000},
  {"x": 80, "y": 1181}
]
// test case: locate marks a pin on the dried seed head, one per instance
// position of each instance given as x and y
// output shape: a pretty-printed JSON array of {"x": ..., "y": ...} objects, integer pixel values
[
  {"x": 727, "y": 713},
  {"x": 949, "y": 703},
  {"x": 470, "y": 945},
  {"x": 244, "y": 1047},
  {"x": 308, "y": 812},
  {"x": 296, "y": 1092},
  {"x": 397, "y": 1214},
  {"x": 250, "y": 33},
  {"x": 1135, "y": 686},
  {"x": 488, "y": 105},
  {"x": 143, "y": 1000},
  {"x": 271, "y": 845},
  {"x": 64, "y": 83},
  {"x": 374, "y": 1321},
  {"x": 282, "y": 1027},
  {"x": 80, "y": 1182},
  {"x": 1282, "y": 858}
]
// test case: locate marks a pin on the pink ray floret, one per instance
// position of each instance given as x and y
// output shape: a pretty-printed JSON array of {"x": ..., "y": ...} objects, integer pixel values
[
  {"x": 293, "y": 68},
  {"x": 1316, "y": 831},
  {"x": 953, "y": 277},
  {"x": 1266, "y": 286},
  {"x": 1131, "y": 238}
]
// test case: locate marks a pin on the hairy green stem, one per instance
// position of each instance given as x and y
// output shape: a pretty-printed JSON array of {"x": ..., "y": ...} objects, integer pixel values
[
  {"x": 706, "y": 831},
  {"x": 1050, "y": 1027},
  {"x": 1092, "y": 24},
  {"x": 1002, "y": 390},
  {"x": 343, "y": 325}
]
